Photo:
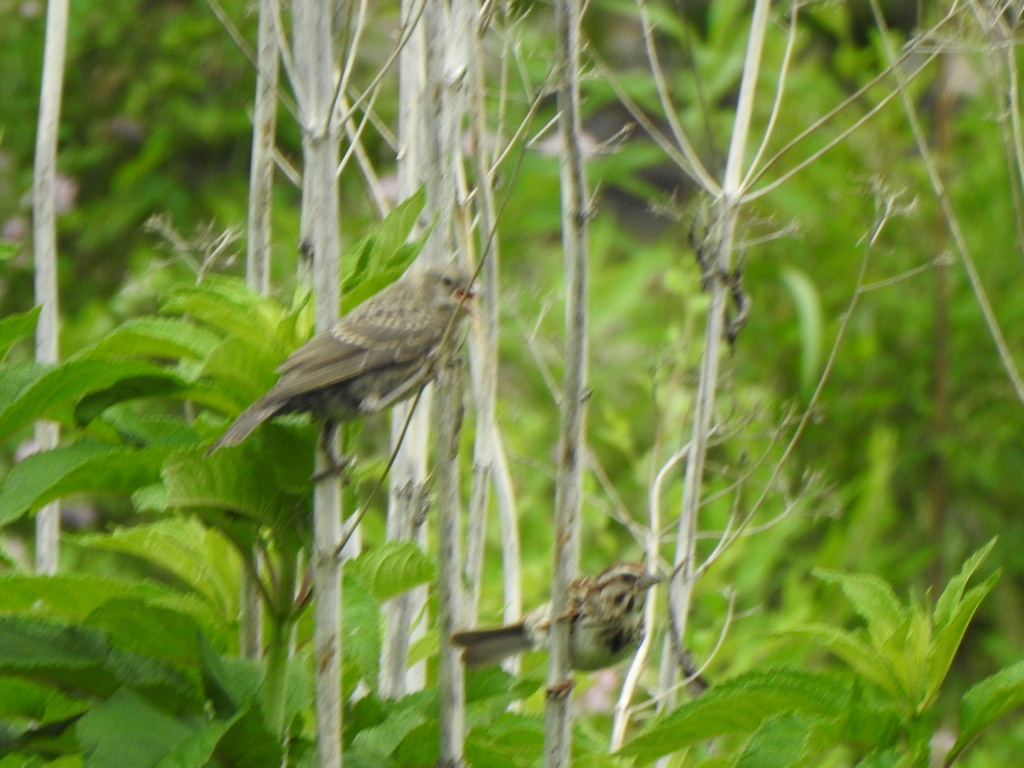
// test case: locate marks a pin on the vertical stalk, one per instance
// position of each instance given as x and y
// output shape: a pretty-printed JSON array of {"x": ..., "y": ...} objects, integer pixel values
[
  {"x": 571, "y": 444},
  {"x": 489, "y": 467},
  {"x": 407, "y": 494},
  {"x": 446, "y": 67},
  {"x": 44, "y": 232},
  {"x": 264, "y": 129},
  {"x": 274, "y": 694},
  {"x": 257, "y": 260},
  {"x": 314, "y": 86},
  {"x": 938, "y": 480},
  {"x": 719, "y": 246}
]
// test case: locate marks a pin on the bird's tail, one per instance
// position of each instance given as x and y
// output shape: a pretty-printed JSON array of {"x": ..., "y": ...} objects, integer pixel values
[
  {"x": 247, "y": 421},
  {"x": 489, "y": 646}
]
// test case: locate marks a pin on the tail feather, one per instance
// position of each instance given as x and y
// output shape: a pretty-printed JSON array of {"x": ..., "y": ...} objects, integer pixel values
[
  {"x": 247, "y": 421},
  {"x": 489, "y": 646}
]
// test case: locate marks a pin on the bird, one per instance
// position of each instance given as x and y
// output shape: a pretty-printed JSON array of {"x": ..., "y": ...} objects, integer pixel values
[
  {"x": 606, "y": 615},
  {"x": 379, "y": 353}
]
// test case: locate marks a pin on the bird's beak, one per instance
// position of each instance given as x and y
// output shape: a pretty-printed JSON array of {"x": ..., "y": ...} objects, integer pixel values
[
  {"x": 466, "y": 298},
  {"x": 648, "y": 580}
]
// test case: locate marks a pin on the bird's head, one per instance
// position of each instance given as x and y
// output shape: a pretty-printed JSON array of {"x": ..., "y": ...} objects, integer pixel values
[
  {"x": 626, "y": 585},
  {"x": 450, "y": 288}
]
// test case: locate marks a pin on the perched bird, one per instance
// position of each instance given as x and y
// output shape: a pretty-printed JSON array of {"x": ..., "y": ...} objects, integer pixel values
[
  {"x": 606, "y": 614},
  {"x": 378, "y": 354}
]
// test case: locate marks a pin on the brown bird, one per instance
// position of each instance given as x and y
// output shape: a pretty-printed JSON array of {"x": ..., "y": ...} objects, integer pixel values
[
  {"x": 606, "y": 614},
  {"x": 378, "y": 354}
]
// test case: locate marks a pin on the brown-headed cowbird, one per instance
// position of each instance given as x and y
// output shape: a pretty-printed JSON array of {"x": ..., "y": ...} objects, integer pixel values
[{"x": 378, "y": 354}]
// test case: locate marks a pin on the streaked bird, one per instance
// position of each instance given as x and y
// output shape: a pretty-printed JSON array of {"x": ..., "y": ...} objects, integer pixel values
[
  {"x": 606, "y": 615},
  {"x": 378, "y": 354}
]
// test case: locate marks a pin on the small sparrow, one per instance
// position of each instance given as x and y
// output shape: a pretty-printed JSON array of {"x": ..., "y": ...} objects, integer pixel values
[
  {"x": 378, "y": 354},
  {"x": 606, "y": 614}
]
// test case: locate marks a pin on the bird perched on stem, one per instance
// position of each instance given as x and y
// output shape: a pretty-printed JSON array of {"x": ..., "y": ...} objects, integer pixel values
[
  {"x": 378, "y": 354},
  {"x": 606, "y": 615}
]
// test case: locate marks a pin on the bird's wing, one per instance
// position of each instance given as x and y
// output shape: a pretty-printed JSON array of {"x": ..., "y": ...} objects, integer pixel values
[{"x": 346, "y": 352}]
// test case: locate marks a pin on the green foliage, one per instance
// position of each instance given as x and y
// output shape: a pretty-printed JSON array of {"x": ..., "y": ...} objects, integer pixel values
[{"x": 886, "y": 709}]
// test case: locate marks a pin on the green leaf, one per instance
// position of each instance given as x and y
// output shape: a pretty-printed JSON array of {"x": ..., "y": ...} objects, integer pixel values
[
  {"x": 14, "y": 327},
  {"x": 873, "y": 600},
  {"x": 889, "y": 758},
  {"x": 128, "y": 388},
  {"x": 126, "y": 731},
  {"x": 230, "y": 683},
  {"x": 862, "y": 657},
  {"x": 986, "y": 702},
  {"x": 228, "y": 480},
  {"x": 947, "y": 604},
  {"x": 248, "y": 743},
  {"x": 384, "y": 738},
  {"x": 163, "y": 338},
  {"x": 69, "y": 596},
  {"x": 199, "y": 556},
  {"x": 949, "y": 636},
  {"x": 228, "y": 305},
  {"x": 392, "y": 568},
  {"x": 362, "y": 634},
  {"x": 507, "y": 740},
  {"x": 73, "y": 597},
  {"x": 149, "y": 630},
  {"x": 777, "y": 743},
  {"x": 382, "y": 254},
  {"x": 81, "y": 659},
  {"x": 740, "y": 705},
  {"x": 57, "y": 388},
  {"x": 243, "y": 369},
  {"x": 808, "y": 306},
  {"x": 43, "y": 477}
]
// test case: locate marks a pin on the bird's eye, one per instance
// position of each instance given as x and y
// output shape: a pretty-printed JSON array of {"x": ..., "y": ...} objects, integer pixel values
[{"x": 447, "y": 282}]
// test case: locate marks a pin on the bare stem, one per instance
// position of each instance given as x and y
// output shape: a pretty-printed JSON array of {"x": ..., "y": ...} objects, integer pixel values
[{"x": 571, "y": 442}]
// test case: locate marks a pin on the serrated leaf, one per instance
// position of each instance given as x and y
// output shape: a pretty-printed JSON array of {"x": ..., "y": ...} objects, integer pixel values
[
  {"x": 136, "y": 626},
  {"x": 947, "y": 639},
  {"x": 127, "y": 731},
  {"x": 79, "y": 658},
  {"x": 164, "y": 338},
  {"x": 52, "y": 393},
  {"x": 986, "y": 702},
  {"x": 382, "y": 254},
  {"x": 508, "y": 740},
  {"x": 385, "y": 738},
  {"x": 777, "y": 743},
  {"x": 227, "y": 480},
  {"x": 861, "y": 656},
  {"x": 947, "y": 603},
  {"x": 228, "y": 305},
  {"x": 69, "y": 596},
  {"x": 14, "y": 327},
  {"x": 245, "y": 370},
  {"x": 873, "y": 600},
  {"x": 361, "y": 633},
  {"x": 129, "y": 388},
  {"x": 199, "y": 556},
  {"x": 392, "y": 568},
  {"x": 740, "y": 705},
  {"x": 43, "y": 477}
]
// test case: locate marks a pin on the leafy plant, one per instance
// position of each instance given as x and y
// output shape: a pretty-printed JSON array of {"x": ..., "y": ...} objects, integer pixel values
[{"x": 883, "y": 710}]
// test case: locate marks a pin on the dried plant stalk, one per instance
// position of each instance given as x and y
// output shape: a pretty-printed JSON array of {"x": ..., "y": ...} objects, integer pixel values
[
  {"x": 571, "y": 443},
  {"x": 407, "y": 495},
  {"x": 315, "y": 86},
  {"x": 44, "y": 233}
]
